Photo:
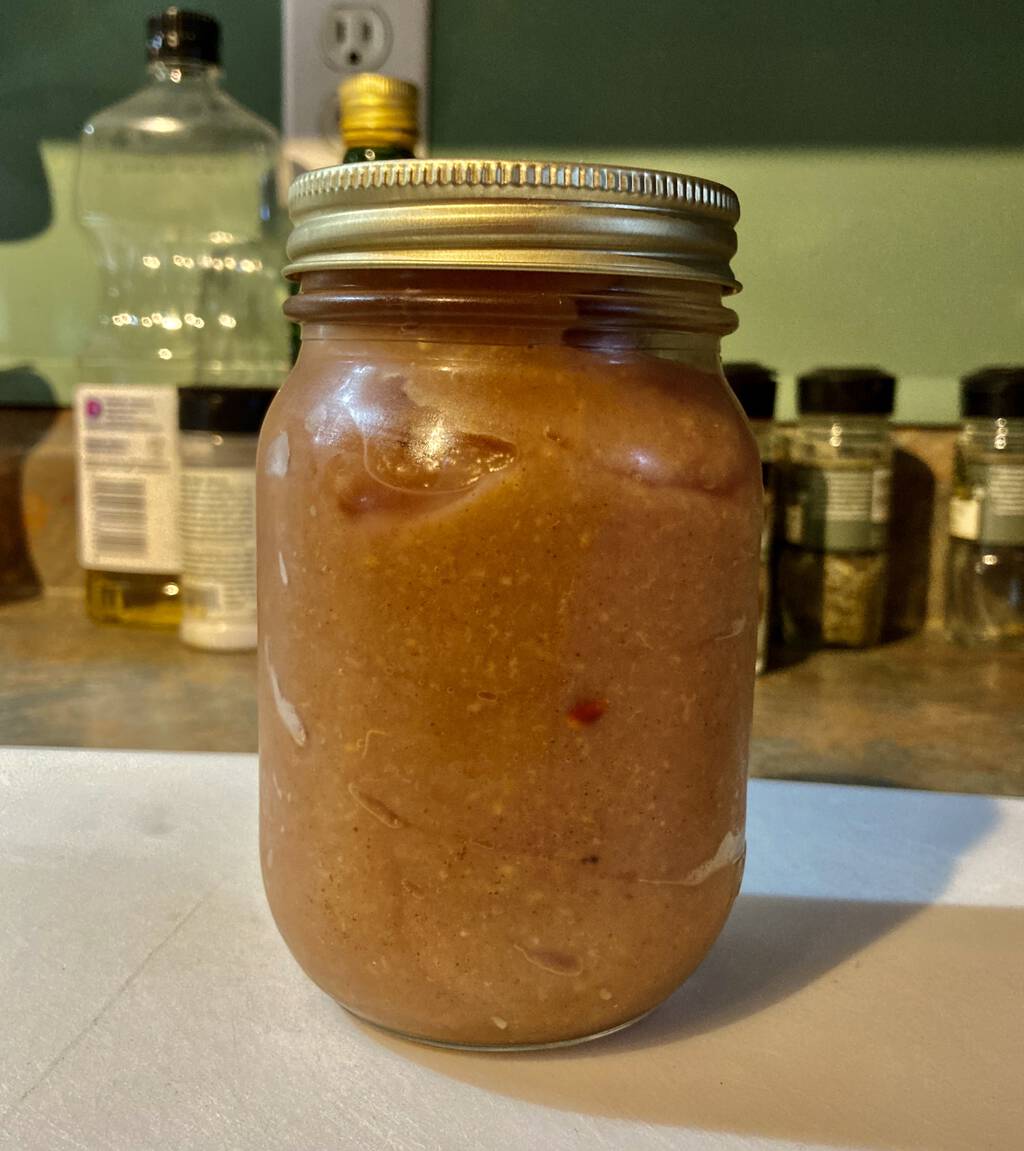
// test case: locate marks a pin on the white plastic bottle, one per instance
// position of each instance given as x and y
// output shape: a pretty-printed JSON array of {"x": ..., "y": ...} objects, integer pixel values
[
  {"x": 219, "y": 429},
  {"x": 177, "y": 188}
]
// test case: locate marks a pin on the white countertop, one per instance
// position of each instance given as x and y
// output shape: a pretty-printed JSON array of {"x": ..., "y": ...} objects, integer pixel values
[{"x": 868, "y": 991}]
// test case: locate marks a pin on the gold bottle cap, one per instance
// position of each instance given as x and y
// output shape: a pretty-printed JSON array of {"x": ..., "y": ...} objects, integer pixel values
[
  {"x": 566, "y": 217},
  {"x": 378, "y": 111}
]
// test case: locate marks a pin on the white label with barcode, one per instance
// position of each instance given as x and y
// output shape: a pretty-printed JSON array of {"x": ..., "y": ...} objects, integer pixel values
[
  {"x": 218, "y": 535},
  {"x": 127, "y": 456}
]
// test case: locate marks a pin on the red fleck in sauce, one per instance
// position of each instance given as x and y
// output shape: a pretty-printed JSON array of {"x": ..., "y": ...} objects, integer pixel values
[{"x": 586, "y": 711}]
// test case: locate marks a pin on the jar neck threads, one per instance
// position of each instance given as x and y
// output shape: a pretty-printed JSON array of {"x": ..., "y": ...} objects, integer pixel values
[{"x": 513, "y": 307}]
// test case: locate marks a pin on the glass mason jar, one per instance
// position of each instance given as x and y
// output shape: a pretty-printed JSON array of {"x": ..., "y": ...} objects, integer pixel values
[
  {"x": 754, "y": 386},
  {"x": 985, "y": 566},
  {"x": 509, "y": 521},
  {"x": 833, "y": 563}
]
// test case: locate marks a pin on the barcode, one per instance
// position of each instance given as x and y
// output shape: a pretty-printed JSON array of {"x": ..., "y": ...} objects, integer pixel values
[
  {"x": 106, "y": 446},
  {"x": 119, "y": 516}
]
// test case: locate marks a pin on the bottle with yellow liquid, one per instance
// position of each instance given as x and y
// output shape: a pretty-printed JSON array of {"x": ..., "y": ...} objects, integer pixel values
[
  {"x": 176, "y": 189},
  {"x": 378, "y": 121}
]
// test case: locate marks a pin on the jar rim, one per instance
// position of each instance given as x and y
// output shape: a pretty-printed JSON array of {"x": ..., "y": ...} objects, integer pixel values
[{"x": 514, "y": 215}]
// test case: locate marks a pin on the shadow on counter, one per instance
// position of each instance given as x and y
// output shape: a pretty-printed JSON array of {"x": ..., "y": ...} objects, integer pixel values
[{"x": 814, "y": 1020}]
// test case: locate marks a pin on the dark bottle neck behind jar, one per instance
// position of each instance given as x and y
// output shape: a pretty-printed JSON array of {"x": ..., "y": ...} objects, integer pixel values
[{"x": 376, "y": 152}]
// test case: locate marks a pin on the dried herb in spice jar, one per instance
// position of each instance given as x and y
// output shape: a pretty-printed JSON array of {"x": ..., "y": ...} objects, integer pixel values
[{"x": 833, "y": 565}]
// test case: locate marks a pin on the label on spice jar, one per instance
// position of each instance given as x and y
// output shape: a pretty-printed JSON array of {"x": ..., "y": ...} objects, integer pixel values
[
  {"x": 218, "y": 542},
  {"x": 126, "y": 446},
  {"x": 838, "y": 509},
  {"x": 989, "y": 508}
]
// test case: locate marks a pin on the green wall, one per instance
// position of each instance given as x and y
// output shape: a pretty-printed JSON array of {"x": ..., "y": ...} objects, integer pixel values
[
  {"x": 653, "y": 74},
  {"x": 878, "y": 149},
  {"x": 61, "y": 60},
  {"x": 593, "y": 73}
]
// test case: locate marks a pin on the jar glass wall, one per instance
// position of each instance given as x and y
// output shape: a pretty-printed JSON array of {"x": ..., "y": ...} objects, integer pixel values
[{"x": 754, "y": 387}]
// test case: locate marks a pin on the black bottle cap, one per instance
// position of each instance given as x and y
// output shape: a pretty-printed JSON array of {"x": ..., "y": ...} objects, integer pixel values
[
  {"x": 232, "y": 411},
  {"x": 846, "y": 391},
  {"x": 754, "y": 386},
  {"x": 994, "y": 392},
  {"x": 179, "y": 37}
]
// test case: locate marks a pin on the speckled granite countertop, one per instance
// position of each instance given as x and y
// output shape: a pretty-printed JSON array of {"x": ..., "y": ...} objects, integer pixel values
[
  {"x": 67, "y": 682},
  {"x": 916, "y": 713}
]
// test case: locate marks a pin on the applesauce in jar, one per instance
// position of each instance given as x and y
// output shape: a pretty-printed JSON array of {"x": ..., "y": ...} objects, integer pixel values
[{"x": 509, "y": 523}]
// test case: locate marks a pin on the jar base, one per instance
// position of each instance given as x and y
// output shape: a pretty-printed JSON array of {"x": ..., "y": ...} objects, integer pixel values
[{"x": 496, "y": 1048}]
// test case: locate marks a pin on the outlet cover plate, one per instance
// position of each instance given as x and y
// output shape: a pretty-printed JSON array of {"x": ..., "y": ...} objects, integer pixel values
[{"x": 323, "y": 41}]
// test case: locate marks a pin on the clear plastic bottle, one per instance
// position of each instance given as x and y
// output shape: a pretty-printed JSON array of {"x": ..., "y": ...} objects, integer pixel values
[
  {"x": 833, "y": 562},
  {"x": 177, "y": 188},
  {"x": 985, "y": 566},
  {"x": 754, "y": 386}
]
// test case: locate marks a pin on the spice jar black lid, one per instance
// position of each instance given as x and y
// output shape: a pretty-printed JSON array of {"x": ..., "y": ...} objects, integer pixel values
[
  {"x": 846, "y": 391},
  {"x": 997, "y": 392},
  {"x": 754, "y": 386},
  {"x": 178, "y": 37},
  {"x": 237, "y": 411}
]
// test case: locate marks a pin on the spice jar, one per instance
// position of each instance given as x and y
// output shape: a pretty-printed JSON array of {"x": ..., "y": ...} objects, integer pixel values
[
  {"x": 217, "y": 446},
  {"x": 509, "y": 521},
  {"x": 833, "y": 561},
  {"x": 754, "y": 386},
  {"x": 985, "y": 566}
]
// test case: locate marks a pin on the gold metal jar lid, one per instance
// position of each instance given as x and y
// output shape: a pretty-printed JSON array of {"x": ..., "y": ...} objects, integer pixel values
[{"x": 521, "y": 215}]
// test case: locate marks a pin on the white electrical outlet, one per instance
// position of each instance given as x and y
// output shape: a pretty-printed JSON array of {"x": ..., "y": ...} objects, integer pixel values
[
  {"x": 323, "y": 41},
  {"x": 356, "y": 38}
]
